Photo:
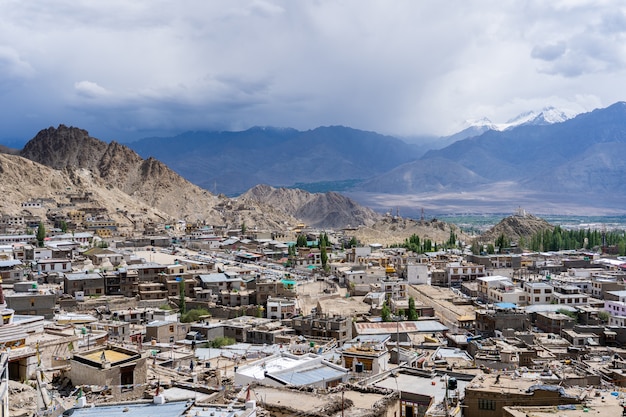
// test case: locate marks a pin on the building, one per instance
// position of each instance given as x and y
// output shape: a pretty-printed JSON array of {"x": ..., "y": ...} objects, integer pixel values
[
  {"x": 166, "y": 331},
  {"x": 28, "y": 299},
  {"x": 490, "y": 320},
  {"x": 366, "y": 354},
  {"x": 538, "y": 292},
  {"x": 487, "y": 395},
  {"x": 553, "y": 322},
  {"x": 86, "y": 283},
  {"x": 284, "y": 369},
  {"x": 324, "y": 326},
  {"x": 123, "y": 371},
  {"x": 281, "y": 308}
]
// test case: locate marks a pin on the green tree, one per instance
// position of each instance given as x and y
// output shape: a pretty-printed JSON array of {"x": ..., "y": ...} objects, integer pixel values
[
  {"x": 301, "y": 241},
  {"x": 353, "y": 242},
  {"x": 182, "y": 304},
  {"x": 63, "y": 226},
  {"x": 243, "y": 228},
  {"x": 491, "y": 249},
  {"x": 412, "y": 311},
  {"x": 219, "y": 342},
  {"x": 194, "y": 315},
  {"x": 41, "y": 234},
  {"x": 476, "y": 247},
  {"x": 452, "y": 239},
  {"x": 502, "y": 242},
  {"x": 385, "y": 312},
  {"x": 604, "y": 316},
  {"x": 324, "y": 257}
]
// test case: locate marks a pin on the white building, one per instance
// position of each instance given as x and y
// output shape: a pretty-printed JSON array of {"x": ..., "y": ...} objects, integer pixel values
[
  {"x": 280, "y": 308},
  {"x": 538, "y": 292},
  {"x": 284, "y": 369}
]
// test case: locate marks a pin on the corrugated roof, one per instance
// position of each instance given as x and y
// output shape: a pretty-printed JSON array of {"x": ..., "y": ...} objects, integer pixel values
[
  {"x": 173, "y": 409},
  {"x": 310, "y": 376},
  {"x": 420, "y": 326}
]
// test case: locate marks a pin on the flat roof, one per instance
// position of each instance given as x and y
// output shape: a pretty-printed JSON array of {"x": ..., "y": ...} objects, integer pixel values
[
  {"x": 108, "y": 354},
  {"x": 420, "y": 326},
  {"x": 434, "y": 387}
]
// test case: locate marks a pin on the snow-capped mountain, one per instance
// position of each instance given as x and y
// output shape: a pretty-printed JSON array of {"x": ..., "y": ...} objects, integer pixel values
[{"x": 546, "y": 116}]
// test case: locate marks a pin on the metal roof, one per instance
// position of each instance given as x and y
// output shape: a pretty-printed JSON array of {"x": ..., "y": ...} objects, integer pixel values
[
  {"x": 420, "y": 326},
  {"x": 303, "y": 377},
  {"x": 173, "y": 409}
]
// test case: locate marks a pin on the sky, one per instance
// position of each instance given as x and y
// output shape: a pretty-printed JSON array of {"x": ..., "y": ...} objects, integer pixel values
[{"x": 124, "y": 70}]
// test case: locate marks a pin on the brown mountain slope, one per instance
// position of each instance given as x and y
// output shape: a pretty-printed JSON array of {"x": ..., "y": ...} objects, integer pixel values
[
  {"x": 394, "y": 230},
  {"x": 324, "y": 210},
  {"x": 22, "y": 180},
  {"x": 518, "y": 225},
  {"x": 148, "y": 182}
]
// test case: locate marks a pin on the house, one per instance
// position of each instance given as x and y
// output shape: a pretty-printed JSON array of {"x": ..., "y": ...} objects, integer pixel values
[
  {"x": 124, "y": 371},
  {"x": 487, "y": 395},
  {"x": 44, "y": 266},
  {"x": 281, "y": 308},
  {"x": 538, "y": 292},
  {"x": 284, "y": 369},
  {"x": 28, "y": 299},
  {"x": 323, "y": 326},
  {"x": 166, "y": 331},
  {"x": 87, "y": 283},
  {"x": 366, "y": 354}
]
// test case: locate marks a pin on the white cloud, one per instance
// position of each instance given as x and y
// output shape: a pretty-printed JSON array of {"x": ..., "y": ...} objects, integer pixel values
[
  {"x": 400, "y": 67},
  {"x": 90, "y": 89}
]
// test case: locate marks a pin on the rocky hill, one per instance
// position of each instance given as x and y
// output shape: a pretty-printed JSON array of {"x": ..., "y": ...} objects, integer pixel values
[
  {"x": 86, "y": 164},
  {"x": 391, "y": 230},
  {"x": 324, "y": 210},
  {"x": 518, "y": 225},
  {"x": 233, "y": 162}
]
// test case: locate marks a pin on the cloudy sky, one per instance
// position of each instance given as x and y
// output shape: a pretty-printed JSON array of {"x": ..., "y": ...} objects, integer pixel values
[{"x": 128, "y": 69}]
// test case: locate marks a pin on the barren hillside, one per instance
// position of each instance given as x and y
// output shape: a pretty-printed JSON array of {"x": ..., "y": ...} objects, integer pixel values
[
  {"x": 392, "y": 229},
  {"x": 516, "y": 226},
  {"x": 329, "y": 210}
]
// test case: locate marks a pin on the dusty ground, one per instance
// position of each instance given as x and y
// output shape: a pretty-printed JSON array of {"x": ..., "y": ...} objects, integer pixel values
[
  {"x": 333, "y": 302},
  {"x": 22, "y": 399},
  {"x": 301, "y": 401}
]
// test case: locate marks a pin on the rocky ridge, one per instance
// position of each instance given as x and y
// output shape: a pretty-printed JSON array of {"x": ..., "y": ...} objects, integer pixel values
[
  {"x": 516, "y": 226},
  {"x": 330, "y": 210},
  {"x": 121, "y": 181}
]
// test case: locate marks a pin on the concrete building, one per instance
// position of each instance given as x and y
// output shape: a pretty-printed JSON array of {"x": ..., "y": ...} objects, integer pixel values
[
  {"x": 284, "y": 369},
  {"x": 538, "y": 292},
  {"x": 487, "y": 395},
  {"x": 322, "y": 325},
  {"x": 123, "y": 371},
  {"x": 87, "y": 283},
  {"x": 281, "y": 308},
  {"x": 28, "y": 299},
  {"x": 166, "y": 331}
]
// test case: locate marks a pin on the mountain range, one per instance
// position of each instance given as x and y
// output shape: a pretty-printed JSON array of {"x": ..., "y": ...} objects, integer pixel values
[
  {"x": 544, "y": 161},
  {"x": 233, "y": 162}
]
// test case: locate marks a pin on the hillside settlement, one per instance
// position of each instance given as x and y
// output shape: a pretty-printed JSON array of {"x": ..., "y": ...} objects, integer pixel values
[{"x": 197, "y": 319}]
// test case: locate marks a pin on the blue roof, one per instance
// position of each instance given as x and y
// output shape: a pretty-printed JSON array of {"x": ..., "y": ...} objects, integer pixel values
[
  {"x": 310, "y": 376},
  {"x": 173, "y": 409},
  {"x": 506, "y": 305}
]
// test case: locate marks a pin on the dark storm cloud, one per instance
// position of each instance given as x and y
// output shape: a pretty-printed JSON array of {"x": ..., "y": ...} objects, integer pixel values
[{"x": 120, "y": 68}]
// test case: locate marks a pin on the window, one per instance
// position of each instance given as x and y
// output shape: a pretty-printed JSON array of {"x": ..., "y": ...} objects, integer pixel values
[
  {"x": 537, "y": 299},
  {"x": 486, "y": 404},
  {"x": 171, "y": 328}
]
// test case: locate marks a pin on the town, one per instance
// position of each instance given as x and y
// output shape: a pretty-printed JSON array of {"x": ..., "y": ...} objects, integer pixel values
[{"x": 198, "y": 319}]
